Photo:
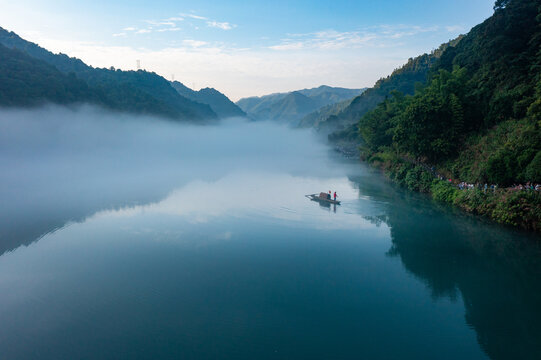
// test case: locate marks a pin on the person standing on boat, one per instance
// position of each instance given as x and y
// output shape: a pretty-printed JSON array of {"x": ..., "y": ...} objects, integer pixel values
[
  {"x": 329, "y": 196},
  {"x": 335, "y": 196}
]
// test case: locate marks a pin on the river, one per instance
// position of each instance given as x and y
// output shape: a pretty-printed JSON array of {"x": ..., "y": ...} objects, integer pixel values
[{"x": 136, "y": 238}]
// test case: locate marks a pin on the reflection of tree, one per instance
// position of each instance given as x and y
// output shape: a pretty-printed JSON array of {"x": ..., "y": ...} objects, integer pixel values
[
  {"x": 376, "y": 220},
  {"x": 497, "y": 271}
]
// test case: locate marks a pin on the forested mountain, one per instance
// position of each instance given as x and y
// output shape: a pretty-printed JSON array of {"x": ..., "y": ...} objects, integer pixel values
[
  {"x": 477, "y": 119},
  {"x": 330, "y": 95},
  {"x": 218, "y": 102},
  {"x": 26, "y": 81},
  {"x": 133, "y": 91},
  {"x": 293, "y": 106},
  {"x": 490, "y": 80},
  {"x": 255, "y": 105},
  {"x": 403, "y": 80}
]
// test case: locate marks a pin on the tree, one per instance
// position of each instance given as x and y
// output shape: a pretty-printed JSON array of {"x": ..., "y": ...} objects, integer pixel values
[{"x": 500, "y": 4}]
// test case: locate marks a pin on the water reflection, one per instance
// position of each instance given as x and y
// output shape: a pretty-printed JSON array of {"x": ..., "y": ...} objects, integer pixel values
[
  {"x": 255, "y": 276},
  {"x": 325, "y": 205},
  {"x": 198, "y": 242},
  {"x": 249, "y": 195},
  {"x": 60, "y": 166},
  {"x": 495, "y": 271}
]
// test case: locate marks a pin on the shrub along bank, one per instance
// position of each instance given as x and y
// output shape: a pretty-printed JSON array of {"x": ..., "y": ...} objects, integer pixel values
[{"x": 519, "y": 208}]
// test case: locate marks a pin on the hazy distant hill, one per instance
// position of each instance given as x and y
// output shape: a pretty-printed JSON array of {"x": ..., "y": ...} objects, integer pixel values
[
  {"x": 330, "y": 95},
  {"x": 134, "y": 91},
  {"x": 293, "y": 106},
  {"x": 218, "y": 102},
  {"x": 319, "y": 119},
  {"x": 403, "y": 80}
]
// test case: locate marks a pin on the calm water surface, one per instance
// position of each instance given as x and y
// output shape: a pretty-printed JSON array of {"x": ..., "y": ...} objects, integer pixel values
[{"x": 171, "y": 242}]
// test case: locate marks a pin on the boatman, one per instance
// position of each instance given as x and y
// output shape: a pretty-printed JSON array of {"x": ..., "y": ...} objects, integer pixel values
[
  {"x": 335, "y": 196},
  {"x": 329, "y": 196}
]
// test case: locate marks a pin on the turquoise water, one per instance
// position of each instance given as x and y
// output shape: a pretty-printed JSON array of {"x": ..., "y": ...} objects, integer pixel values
[{"x": 233, "y": 262}]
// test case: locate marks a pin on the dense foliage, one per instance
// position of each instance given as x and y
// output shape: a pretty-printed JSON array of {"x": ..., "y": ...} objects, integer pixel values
[
  {"x": 28, "y": 81},
  {"x": 520, "y": 208},
  {"x": 477, "y": 119},
  {"x": 478, "y": 116}
]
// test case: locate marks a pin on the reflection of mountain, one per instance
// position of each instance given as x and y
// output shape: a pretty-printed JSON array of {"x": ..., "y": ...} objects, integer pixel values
[
  {"x": 22, "y": 227},
  {"x": 496, "y": 271}
]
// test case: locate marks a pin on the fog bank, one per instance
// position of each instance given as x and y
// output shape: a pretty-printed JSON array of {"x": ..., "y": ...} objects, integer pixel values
[{"x": 60, "y": 165}]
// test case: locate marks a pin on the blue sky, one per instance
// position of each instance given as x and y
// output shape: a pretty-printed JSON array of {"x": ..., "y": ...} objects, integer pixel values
[{"x": 246, "y": 48}]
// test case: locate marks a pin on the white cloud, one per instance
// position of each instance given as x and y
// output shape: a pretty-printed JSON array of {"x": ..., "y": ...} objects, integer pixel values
[
  {"x": 221, "y": 25},
  {"x": 169, "y": 29},
  {"x": 170, "y": 24},
  {"x": 193, "y": 16},
  {"x": 175, "y": 18},
  {"x": 122, "y": 34},
  {"x": 288, "y": 46},
  {"x": 167, "y": 23},
  {"x": 194, "y": 43},
  {"x": 325, "y": 40},
  {"x": 381, "y": 36}
]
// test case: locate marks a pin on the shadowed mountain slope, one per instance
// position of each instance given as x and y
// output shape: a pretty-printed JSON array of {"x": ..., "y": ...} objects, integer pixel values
[
  {"x": 219, "y": 103},
  {"x": 133, "y": 91}
]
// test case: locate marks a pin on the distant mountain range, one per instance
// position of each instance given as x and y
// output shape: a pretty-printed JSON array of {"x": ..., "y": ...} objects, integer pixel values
[
  {"x": 219, "y": 103},
  {"x": 291, "y": 107},
  {"x": 31, "y": 75},
  {"x": 321, "y": 119}
]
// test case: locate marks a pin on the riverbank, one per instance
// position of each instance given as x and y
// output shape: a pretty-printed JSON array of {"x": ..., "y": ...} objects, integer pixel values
[{"x": 518, "y": 208}]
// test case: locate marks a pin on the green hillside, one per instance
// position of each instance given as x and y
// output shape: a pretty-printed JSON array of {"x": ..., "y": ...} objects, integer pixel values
[
  {"x": 27, "y": 81},
  {"x": 404, "y": 80},
  {"x": 476, "y": 120}
]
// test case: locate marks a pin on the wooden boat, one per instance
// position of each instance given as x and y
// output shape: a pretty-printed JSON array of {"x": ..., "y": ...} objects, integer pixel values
[{"x": 322, "y": 198}]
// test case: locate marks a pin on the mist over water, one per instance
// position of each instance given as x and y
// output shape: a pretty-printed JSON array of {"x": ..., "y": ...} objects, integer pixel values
[
  {"x": 134, "y": 237},
  {"x": 64, "y": 164}
]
